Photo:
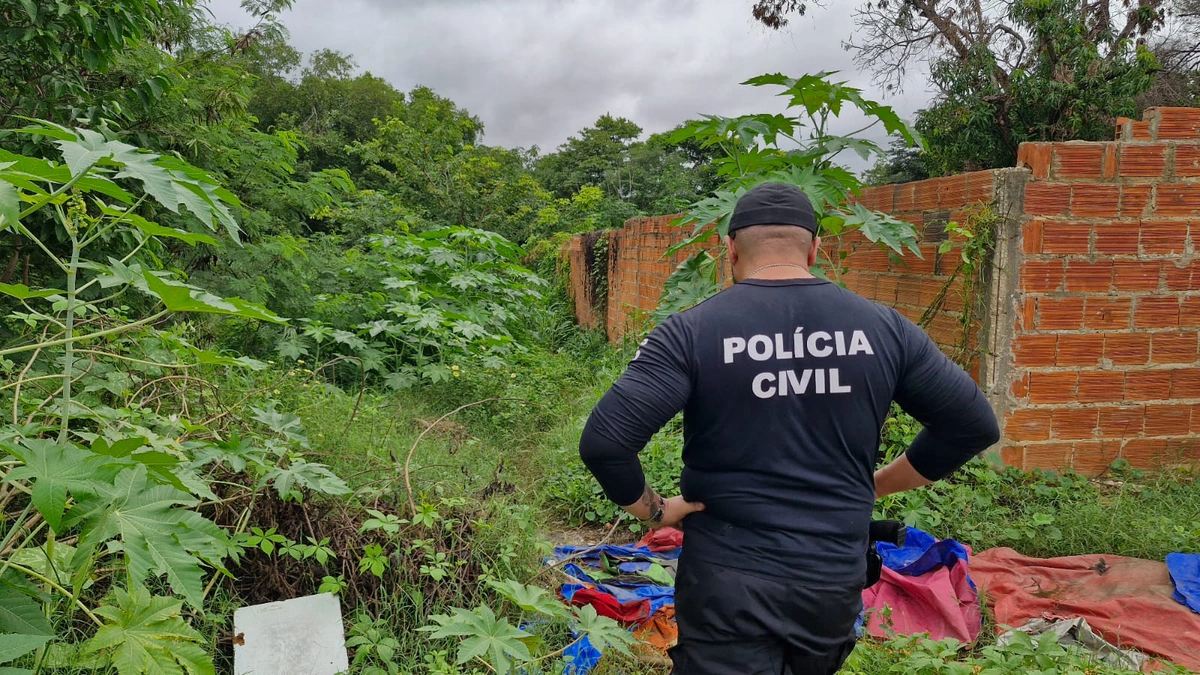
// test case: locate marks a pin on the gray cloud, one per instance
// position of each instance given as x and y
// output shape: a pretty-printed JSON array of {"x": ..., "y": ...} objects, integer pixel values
[{"x": 536, "y": 71}]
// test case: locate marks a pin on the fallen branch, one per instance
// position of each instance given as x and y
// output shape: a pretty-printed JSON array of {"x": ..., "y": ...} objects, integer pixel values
[
  {"x": 412, "y": 504},
  {"x": 576, "y": 555}
]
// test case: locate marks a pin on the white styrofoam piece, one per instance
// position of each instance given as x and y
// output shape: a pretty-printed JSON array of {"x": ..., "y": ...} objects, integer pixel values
[{"x": 302, "y": 636}]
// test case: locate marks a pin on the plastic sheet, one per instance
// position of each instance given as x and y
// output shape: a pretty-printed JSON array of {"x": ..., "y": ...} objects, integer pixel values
[
  {"x": 942, "y": 603},
  {"x": 1184, "y": 569},
  {"x": 1127, "y": 601}
]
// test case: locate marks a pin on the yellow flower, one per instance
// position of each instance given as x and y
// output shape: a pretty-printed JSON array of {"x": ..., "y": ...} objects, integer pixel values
[
  {"x": 513, "y": 376},
  {"x": 276, "y": 392},
  {"x": 453, "y": 367},
  {"x": 299, "y": 360},
  {"x": 456, "y": 373}
]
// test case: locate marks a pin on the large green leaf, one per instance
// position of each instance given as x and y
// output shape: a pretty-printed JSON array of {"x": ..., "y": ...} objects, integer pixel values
[
  {"x": 10, "y": 205},
  {"x": 145, "y": 635},
  {"x": 21, "y": 614},
  {"x": 484, "y": 635},
  {"x": 23, "y": 292},
  {"x": 13, "y": 645},
  {"x": 157, "y": 538},
  {"x": 55, "y": 468},
  {"x": 181, "y": 297},
  {"x": 156, "y": 230}
]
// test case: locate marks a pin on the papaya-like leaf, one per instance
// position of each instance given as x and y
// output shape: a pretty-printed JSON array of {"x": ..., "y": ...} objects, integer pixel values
[
  {"x": 145, "y": 635},
  {"x": 181, "y": 297},
  {"x": 55, "y": 468},
  {"x": 23, "y": 292}
]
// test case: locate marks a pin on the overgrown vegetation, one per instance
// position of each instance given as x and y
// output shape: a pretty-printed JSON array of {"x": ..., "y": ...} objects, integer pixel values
[{"x": 272, "y": 327}]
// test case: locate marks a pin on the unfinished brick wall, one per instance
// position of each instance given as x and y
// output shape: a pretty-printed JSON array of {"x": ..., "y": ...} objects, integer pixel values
[
  {"x": 1087, "y": 336},
  {"x": 1107, "y": 327},
  {"x": 637, "y": 270}
]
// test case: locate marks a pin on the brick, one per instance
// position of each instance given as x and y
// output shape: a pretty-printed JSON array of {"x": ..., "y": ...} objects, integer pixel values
[
  {"x": 1092, "y": 458},
  {"x": 1059, "y": 313},
  {"x": 1080, "y": 350},
  {"x": 1127, "y": 349},
  {"x": 1047, "y": 199},
  {"x": 1144, "y": 453},
  {"x": 1168, "y": 420},
  {"x": 1189, "y": 312},
  {"x": 1187, "y": 160},
  {"x": 1172, "y": 347},
  {"x": 904, "y": 198},
  {"x": 1134, "y": 200},
  {"x": 1136, "y": 275},
  {"x": 1177, "y": 199},
  {"x": 1020, "y": 386},
  {"x": 1077, "y": 160},
  {"x": 1177, "y": 123},
  {"x": 925, "y": 194},
  {"x": 1052, "y": 387},
  {"x": 1100, "y": 386},
  {"x": 1147, "y": 385},
  {"x": 880, "y": 197},
  {"x": 1047, "y": 456},
  {"x": 953, "y": 192},
  {"x": 1073, "y": 423},
  {"x": 1027, "y": 424},
  {"x": 1085, "y": 277},
  {"x": 1156, "y": 311},
  {"x": 1185, "y": 383},
  {"x": 1031, "y": 236},
  {"x": 1140, "y": 131},
  {"x": 1119, "y": 238},
  {"x": 1036, "y": 350},
  {"x": 1095, "y": 201},
  {"x": 981, "y": 186},
  {"x": 1066, "y": 238},
  {"x": 1182, "y": 277},
  {"x": 1122, "y": 421},
  {"x": 1039, "y": 276},
  {"x": 1013, "y": 455},
  {"x": 1107, "y": 314},
  {"x": 1036, "y": 156},
  {"x": 1144, "y": 161},
  {"x": 1164, "y": 236},
  {"x": 1110, "y": 161}
]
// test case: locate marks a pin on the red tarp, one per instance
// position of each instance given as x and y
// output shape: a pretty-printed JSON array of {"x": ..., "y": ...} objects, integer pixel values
[
  {"x": 664, "y": 539},
  {"x": 941, "y": 603},
  {"x": 1126, "y": 600}
]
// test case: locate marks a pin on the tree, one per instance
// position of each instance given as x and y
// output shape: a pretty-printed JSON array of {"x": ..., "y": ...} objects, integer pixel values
[
  {"x": 598, "y": 154},
  {"x": 903, "y": 163},
  {"x": 1031, "y": 70},
  {"x": 774, "y": 13}
]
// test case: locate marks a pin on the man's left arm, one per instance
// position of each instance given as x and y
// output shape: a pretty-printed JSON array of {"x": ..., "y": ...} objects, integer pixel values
[{"x": 652, "y": 390}]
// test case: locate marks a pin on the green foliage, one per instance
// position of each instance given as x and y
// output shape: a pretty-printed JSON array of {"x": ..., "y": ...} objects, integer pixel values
[
  {"x": 1076, "y": 73},
  {"x": 753, "y": 152},
  {"x": 146, "y": 634},
  {"x": 92, "y": 461},
  {"x": 503, "y": 647},
  {"x": 902, "y": 164},
  {"x": 423, "y": 307}
]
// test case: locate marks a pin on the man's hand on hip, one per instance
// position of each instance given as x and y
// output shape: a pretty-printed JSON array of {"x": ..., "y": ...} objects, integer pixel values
[
  {"x": 656, "y": 512},
  {"x": 675, "y": 510}
]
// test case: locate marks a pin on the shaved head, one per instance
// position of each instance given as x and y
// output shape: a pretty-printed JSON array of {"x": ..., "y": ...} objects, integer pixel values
[{"x": 773, "y": 240}]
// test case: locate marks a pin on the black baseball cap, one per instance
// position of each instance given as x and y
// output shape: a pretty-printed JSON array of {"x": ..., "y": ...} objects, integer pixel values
[{"x": 773, "y": 204}]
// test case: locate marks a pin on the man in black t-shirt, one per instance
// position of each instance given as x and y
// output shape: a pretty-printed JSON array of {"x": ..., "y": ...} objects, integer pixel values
[{"x": 784, "y": 380}]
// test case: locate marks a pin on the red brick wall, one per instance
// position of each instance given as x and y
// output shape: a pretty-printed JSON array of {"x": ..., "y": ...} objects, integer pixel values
[
  {"x": 911, "y": 284},
  {"x": 637, "y": 269},
  {"x": 1090, "y": 336},
  {"x": 1106, "y": 334}
]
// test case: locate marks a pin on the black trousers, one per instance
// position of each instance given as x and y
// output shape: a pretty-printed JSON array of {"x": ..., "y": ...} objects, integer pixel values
[{"x": 732, "y": 623}]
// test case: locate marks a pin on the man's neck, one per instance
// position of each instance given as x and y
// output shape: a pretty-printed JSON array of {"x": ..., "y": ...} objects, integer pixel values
[{"x": 776, "y": 270}]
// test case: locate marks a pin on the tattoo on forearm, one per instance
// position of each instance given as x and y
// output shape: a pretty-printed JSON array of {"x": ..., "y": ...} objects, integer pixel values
[{"x": 655, "y": 503}]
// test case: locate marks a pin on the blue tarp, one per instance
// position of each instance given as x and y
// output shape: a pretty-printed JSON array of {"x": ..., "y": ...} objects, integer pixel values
[
  {"x": 581, "y": 657},
  {"x": 921, "y": 553},
  {"x": 1185, "y": 573},
  {"x": 593, "y": 556}
]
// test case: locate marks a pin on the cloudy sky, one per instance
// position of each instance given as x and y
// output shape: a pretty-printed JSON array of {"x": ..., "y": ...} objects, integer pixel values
[{"x": 537, "y": 71}]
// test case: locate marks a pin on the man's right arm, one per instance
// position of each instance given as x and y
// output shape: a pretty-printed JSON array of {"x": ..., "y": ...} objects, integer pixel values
[{"x": 958, "y": 421}]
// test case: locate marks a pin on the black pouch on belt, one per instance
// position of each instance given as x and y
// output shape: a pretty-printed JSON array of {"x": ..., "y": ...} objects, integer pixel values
[{"x": 890, "y": 531}]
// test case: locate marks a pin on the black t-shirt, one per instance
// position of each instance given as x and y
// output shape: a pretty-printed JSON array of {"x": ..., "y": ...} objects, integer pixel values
[{"x": 784, "y": 386}]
